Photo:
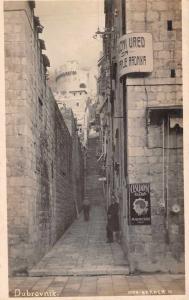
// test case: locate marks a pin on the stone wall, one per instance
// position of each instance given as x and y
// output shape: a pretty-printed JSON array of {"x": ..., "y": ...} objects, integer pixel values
[
  {"x": 137, "y": 136},
  {"x": 40, "y": 150},
  {"x": 160, "y": 245},
  {"x": 78, "y": 157},
  {"x": 147, "y": 162}
]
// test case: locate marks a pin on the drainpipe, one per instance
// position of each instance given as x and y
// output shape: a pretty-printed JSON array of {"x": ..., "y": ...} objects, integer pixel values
[
  {"x": 163, "y": 177},
  {"x": 167, "y": 184},
  {"x": 124, "y": 98}
]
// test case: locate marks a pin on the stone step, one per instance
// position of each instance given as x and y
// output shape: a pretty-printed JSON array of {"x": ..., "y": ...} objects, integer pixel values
[
  {"x": 92, "y": 177},
  {"x": 95, "y": 182},
  {"x": 94, "y": 190},
  {"x": 96, "y": 196},
  {"x": 93, "y": 187},
  {"x": 99, "y": 196},
  {"x": 89, "y": 271}
]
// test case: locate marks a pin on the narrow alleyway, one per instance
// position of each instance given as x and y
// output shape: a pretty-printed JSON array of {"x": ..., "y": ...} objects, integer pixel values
[
  {"x": 81, "y": 263},
  {"x": 83, "y": 250}
]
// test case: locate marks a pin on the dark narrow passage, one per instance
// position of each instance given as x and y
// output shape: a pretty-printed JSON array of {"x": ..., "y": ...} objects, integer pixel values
[
  {"x": 93, "y": 187},
  {"x": 83, "y": 250}
]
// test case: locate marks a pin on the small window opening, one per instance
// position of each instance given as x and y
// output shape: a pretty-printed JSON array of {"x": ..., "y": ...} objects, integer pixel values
[
  {"x": 169, "y": 25},
  {"x": 173, "y": 74},
  {"x": 40, "y": 101}
]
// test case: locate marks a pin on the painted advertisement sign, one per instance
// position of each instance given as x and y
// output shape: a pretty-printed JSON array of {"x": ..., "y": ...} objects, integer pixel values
[
  {"x": 139, "y": 206},
  {"x": 135, "y": 53}
]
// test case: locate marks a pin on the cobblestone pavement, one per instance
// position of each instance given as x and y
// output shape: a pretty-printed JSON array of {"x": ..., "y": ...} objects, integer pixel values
[
  {"x": 110, "y": 285},
  {"x": 83, "y": 250}
]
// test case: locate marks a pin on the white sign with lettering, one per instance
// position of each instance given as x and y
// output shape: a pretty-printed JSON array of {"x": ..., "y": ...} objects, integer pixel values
[{"x": 135, "y": 53}]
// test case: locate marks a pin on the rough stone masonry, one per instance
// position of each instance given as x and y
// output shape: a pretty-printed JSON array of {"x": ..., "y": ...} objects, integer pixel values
[
  {"x": 145, "y": 134},
  {"x": 40, "y": 169},
  {"x": 155, "y": 153}
]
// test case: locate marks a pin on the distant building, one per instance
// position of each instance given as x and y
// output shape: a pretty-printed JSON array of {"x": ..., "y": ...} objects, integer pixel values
[{"x": 72, "y": 89}]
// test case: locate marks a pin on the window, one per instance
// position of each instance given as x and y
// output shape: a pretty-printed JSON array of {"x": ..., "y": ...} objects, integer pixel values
[
  {"x": 164, "y": 125},
  {"x": 83, "y": 86},
  {"x": 173, "y": 74},
  {"x": 169, "y": 25},
  {"x": 40, "y": 105},
  {"x": 77, "y": 103}
]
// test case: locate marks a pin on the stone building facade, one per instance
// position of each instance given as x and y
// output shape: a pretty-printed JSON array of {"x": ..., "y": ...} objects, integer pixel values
[
  {"x": 40, "y": 170},
  {"x": 141, "y": 132}
]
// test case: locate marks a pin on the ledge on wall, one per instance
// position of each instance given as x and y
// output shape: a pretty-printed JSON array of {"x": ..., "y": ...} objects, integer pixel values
[
  {"x": 46, "y": 61},
  {"x": 37, "y": 24},
  {"x": 42, "y": 44}
]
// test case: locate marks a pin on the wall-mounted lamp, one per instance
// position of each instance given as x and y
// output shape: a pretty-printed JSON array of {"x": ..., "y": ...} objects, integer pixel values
[{"x": 104, "y": 33}]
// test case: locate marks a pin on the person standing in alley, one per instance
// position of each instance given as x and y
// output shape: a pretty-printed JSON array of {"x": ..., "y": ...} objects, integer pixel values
[
  {"x": 86, "y": 209},
  {"x": 112, "y": 219}
]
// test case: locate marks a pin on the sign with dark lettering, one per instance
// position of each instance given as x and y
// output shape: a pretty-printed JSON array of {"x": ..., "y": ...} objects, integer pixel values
[
  {"x": 135, "y": 53},
  {"x": 139, "y": 207}
]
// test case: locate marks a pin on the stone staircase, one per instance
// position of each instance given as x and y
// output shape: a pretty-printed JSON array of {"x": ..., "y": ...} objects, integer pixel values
[
  {"x": 82, "y": 250},
  {"x": 93, "y": 187}
]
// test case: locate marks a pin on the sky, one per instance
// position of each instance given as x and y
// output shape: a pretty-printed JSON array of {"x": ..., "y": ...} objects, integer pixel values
[{"x": 69, "y": 26}]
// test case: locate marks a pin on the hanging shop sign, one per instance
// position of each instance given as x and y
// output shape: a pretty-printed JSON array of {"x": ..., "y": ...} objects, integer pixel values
[
  {"x": 135, "y": 54},
  {"x": 139, "y": 207}
]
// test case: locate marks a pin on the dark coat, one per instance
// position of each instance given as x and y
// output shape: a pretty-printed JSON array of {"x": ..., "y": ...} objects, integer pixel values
[{"x": 113, "y": 217}]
